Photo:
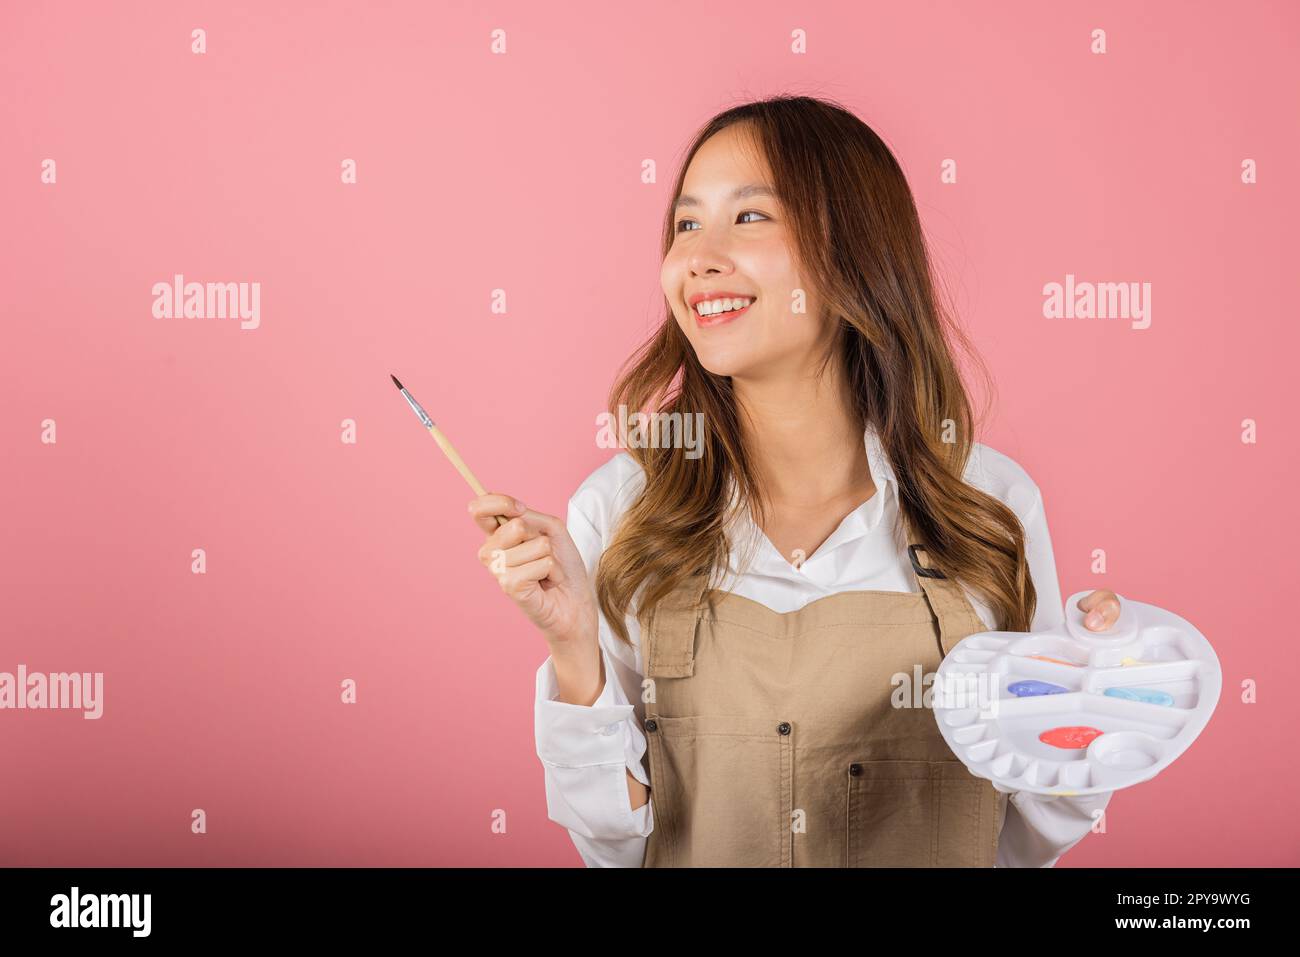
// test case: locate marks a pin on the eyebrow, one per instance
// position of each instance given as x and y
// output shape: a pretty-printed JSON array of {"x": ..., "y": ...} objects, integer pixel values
[{"x": 740, "y": 192}]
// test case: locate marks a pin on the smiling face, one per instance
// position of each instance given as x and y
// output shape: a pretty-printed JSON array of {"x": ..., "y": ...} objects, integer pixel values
[{"x": 733, "y": 241}]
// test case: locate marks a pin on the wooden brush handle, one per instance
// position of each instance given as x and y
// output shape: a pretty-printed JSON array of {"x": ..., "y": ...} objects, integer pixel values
[{"x": 450, "y": 451}]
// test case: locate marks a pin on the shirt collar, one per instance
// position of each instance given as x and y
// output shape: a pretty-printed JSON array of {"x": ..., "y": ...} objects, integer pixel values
[
  {"x": 882, "y": 473},
  {"x": 861, "y": 521},
  {"x": 868, "y": 515}
]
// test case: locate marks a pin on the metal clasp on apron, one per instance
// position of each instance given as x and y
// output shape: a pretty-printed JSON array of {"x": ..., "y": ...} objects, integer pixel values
[{"x": 922, "y": 571}]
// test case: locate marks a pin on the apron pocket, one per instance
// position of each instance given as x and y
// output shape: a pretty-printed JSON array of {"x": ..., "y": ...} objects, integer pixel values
[
  {"x": 892, "y": 814},
  {"x": 721, "y": 787},
  {"x": 919, "y": 814},
  {"x": 968, "y": 821}
]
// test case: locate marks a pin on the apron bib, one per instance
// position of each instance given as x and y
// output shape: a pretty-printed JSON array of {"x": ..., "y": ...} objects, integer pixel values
[{"x": 772, "y": 740}]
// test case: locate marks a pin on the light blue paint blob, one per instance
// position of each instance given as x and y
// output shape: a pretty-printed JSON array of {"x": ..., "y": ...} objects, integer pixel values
[
  {"x": 1149, "y": 695},
  {"x": 1030, "y": 688}
]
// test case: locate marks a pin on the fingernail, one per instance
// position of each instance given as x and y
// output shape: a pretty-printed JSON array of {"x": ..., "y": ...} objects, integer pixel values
[
  {"x": 1093, "y": 620},
  {"x": 521, "y": 507}
]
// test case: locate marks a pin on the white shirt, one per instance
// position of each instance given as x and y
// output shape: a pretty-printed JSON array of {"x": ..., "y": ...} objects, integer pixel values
[{"x": 584, "y": 750}]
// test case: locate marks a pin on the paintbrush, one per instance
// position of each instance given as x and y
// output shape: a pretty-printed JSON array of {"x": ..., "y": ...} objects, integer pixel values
[{"x": 448, "y": 449}]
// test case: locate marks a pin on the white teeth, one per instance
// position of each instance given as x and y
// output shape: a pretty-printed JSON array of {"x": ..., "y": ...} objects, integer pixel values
[{"x": 712, "y": 307}]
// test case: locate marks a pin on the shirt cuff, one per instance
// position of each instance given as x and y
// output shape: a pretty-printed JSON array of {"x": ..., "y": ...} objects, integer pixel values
[
  {"x": 585, "y": 751},
  {"x": 1043, "y": 827},
  {"x": 575, "y": 735}
]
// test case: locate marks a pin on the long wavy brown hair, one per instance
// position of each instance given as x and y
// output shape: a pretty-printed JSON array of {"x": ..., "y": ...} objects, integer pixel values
[{"x": 859, "y": 242}]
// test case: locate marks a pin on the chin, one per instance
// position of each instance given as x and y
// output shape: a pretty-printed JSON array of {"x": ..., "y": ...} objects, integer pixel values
[
  {"x": 722, "y": 363},
  {"x": 720, "y": 358}
]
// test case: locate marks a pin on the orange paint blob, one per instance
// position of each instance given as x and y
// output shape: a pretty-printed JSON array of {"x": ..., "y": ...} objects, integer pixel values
[
  {"x": 1059, "y": 661},
  {"x": 1072, "y": 736}
]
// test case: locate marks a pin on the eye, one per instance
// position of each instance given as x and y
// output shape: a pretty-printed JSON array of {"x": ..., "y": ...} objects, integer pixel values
[{"x": 748, "y": 212}]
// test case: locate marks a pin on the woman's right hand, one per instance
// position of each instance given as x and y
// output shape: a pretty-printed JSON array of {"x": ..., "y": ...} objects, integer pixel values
[{"x": 535, "y": 561}]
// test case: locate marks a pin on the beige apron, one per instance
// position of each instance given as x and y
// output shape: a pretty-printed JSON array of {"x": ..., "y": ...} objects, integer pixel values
[{"x": 772, "y": 741}]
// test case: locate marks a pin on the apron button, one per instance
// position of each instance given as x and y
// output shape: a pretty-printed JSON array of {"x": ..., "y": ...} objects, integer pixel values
[
  {"x": 652, "y": 725},
  {"x": 783, "y": 727},
  {"x": 855, "y": 769}
]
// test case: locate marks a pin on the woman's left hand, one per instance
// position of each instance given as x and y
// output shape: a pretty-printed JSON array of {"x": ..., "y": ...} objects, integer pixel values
[{"x": 1101, "y": 610}]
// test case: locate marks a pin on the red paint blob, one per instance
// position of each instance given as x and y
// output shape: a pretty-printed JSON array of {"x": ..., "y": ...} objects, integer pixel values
[{"x": 1075, "y": 736}]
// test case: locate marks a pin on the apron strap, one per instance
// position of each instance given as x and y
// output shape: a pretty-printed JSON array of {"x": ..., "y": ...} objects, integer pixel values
[{"x": 671, "y": 635}]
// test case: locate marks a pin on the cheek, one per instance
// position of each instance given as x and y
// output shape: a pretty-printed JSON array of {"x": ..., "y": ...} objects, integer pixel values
[
  {"x": 672, "y": 274},
  {"x": 671, "y": 278}
]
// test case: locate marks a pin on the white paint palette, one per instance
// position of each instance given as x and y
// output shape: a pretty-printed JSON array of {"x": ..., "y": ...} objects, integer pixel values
[{"x": 1075, "y": 711}]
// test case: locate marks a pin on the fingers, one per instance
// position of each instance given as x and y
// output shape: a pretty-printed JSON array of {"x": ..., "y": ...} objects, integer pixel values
[
  {"x": 500, "y": 557},
  {"x": 518, "y": 579},
  {"x": 505, "y": 537},
  {"x": 521, "y": 528},
  {"x": 1102, "y": 608},
  {"x": 522, "y": 542},
  {"x": 485, "y": 508}
]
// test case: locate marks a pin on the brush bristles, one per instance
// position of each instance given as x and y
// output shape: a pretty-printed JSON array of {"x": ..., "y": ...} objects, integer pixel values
[{"x": 395, "y": 382}]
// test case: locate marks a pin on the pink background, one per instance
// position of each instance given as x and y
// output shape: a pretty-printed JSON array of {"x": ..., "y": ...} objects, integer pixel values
[{"x": 477, "y": 171}]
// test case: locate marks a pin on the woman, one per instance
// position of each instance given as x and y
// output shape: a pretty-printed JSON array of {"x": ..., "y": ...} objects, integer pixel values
[{"x": 748, "y": 615}]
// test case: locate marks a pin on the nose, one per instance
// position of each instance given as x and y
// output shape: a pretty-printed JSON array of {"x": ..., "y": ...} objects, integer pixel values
[
  {"x": 708, "y": 257},
  {"x": 710, "y": 265}
]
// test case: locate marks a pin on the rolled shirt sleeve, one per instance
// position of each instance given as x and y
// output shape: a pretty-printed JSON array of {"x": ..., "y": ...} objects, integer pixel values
[{"x": 584, "y": 752}]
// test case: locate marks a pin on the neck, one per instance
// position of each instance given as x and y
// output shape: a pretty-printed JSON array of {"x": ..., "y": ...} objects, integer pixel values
[{"x": 804, "y": 439}]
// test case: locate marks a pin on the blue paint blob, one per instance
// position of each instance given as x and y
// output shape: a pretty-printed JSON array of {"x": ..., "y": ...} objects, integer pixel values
[
  {"x": 1028, "y": 689},
  {"x": 1149, "y": 695}
]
